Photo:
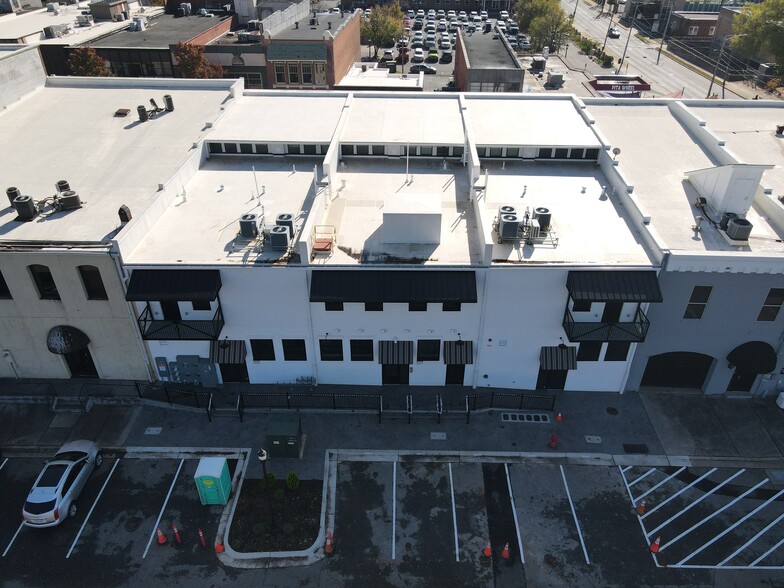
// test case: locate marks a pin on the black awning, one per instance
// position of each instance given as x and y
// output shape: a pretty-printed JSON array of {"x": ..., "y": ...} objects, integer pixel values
[
  {"x": 558, "y": 357},
  {"x": 227, "y": 351},
  {"x": 458, "y": 352},
  {"x": 754, "y": 357},
  {"x": 65, "y": 339},
  {"x": 614, "y": 286},
  {"x": 174, "y": 285},
  {"x": 396, "y": 352},
  {"x": 393, "y": 286}
]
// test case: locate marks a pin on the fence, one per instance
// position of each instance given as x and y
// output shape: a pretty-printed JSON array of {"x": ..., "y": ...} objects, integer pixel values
[
  {"x": 309, "y": 400},
  {"x": 178, "y": 395},
  {"x": 508, "y": 400}
]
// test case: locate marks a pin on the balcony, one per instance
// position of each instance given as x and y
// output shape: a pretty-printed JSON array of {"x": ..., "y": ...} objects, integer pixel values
[
  {"x": 634, "y": 331},
  {"x": 181, "y": 330}
]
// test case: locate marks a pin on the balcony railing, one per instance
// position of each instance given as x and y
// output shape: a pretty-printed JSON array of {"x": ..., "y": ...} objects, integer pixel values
[
  {"x": 635, "y": 331},
  {"x": 181, "y": 330}
]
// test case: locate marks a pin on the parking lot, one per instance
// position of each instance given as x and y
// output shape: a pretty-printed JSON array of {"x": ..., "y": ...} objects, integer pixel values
[
  {"x": 427, "y": 523},
  {"x": 119, "y": 511}
]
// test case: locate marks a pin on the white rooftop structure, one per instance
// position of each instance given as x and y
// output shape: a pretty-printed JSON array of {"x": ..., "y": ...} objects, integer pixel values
[{"x": 362, "y": 77}]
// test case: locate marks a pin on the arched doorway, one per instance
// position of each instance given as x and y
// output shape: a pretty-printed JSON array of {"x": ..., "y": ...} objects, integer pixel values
[
  {"x": 677, "y": 369},
  {"x": 72, "y": 344}
]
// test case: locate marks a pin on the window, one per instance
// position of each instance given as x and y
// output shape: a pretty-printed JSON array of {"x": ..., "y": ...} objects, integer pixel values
[
  {"x": 576, "y": 154},
  {"x": 361, "y": 350},
  {"x": 5, "y": 293},
  {"x": 772, "y": 305},
  {"x": 581, "y": 306},
  {"x": 589, "y": 351},
  {"x": 294, "y": 350},
  {"x": 331, "y": 349},
  {"x": 711, "y": 31},
  {"x": 513, "y": 152},
  {"x": 545, "y": 153},
  {"x": 309, "y": 149},
  {"x": 293, "y": 149},
  {"x": 693, "y": 30},
  {"x": 293, "y": 73},
  {"x": 321, "y": 75},
  {"x": 417, "y": 306},
  {"x": 442, "y": 151},
  {"x": 496, "y": 151},
  {"x": 333, "y": 306},
  {"x": 374, "y": 306},
  {"x": 246, "y": 148},
  {"x": 617, "y": 351},
  {"x": 451, "y": 307},
  {"x": 426, "y": 150},
  {"x": 280, "y": 73},
  {"x": 428, "y": 350},
  {"x": 262, "y": 350},
  {"x": 47, "y": 289},
  {"x": 697, "y": 302},
  {"x": 201, "y": 305},
  {"x": 457, "y": 152},
  {"x": 591, "y": 154},
  {"x": 347, "y": 150},
  {"x": 215, "y": 147},
  {"x": 363, "y": 150},
  {"x": 307, "y": 73},
  {"x": 262, "y": 148},
  {"x": 230, "y": 148},
  {"x": 561, "y": 153},
  {"x": 378, "y": 150}
]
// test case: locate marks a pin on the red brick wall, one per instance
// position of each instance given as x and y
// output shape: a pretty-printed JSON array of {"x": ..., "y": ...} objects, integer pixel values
[
  {"x": 214, "y": 32},
  {"x": 343, "y": 52},
  {"x": 461, "y": 67}
]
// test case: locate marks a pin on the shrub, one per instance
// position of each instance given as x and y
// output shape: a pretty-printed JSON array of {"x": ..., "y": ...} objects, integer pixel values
[
  {"x": 773, "y": 84},
  {"x": 292, "y": 481},
  {"x": 270, "y": 481},
  {"x": 258, "y": 529},
  {"x": 607, "y": 61},
  {"x": 288, "y": 529},
  {"x": 279, "y": 494}
]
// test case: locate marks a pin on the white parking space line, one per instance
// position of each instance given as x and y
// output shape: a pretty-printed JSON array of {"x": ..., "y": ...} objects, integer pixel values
[
  {"x": 514, "y": 514},
  {"x": 92, "y": 508},
  {"x": 659, "y": 485},
  {"x": 696, "y": 502},
  {"x": 709, "y": 517},
  {"x": 2, "y": 465},
  {"x": 574, "y": 514},
  {"x": 641, "y": 478},
  {"x": 160, "y": 514},
  {"x": 626, "y": 469},
  {"x": 731, "y": 527},
  {"x": 678, "y": 493},
  {"x": 639, "y": 519},
  {"x": 766, "y": 554},
  {"x": 454, "y": 512},
  {"x": 394, "y": 504},
  {"x": 767, "y": 528},
  {"x": 13, "y": 539}
]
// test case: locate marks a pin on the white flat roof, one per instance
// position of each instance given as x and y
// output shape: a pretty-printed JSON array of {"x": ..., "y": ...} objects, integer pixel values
[
  {"x": 656, "y": 153},
  {"x": 528, "y": 121},
  {"x": 282, "y": 118},
  {"x": 67, "y": 130},
  {"x": 423, "y": 119}
]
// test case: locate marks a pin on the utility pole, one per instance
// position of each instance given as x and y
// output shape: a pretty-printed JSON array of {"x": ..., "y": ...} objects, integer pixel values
[
  {"x": 716, "y": 68},
  {"x": 628, "y": 38},
  {"x": 607, "y": 34},
  {"x": 664, "y": 34}
]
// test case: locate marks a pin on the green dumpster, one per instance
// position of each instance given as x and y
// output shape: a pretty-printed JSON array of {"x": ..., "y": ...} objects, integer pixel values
[
  {"x": 284, "y": 438},
  {"x": 212, "y": 480}
]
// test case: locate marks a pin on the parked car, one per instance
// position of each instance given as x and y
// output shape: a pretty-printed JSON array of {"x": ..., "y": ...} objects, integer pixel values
[
  {"x": 441, "y": 25},
  {"x": 423, "y": 67},
  {"x": 445, "y": 44},
  {"x": 613, "y": 33},
  {"x": 446, "y": 56},
  {"x": 54, "y": 493},
  {"x": 524, "y": 44},
  {"x": 418, "y": 56},
  {"x": 441, "y": 14},
  {"x": 432, "y": 56},
  {"x": 483, "y": 15},
  {"x": 504, "y": 15}
]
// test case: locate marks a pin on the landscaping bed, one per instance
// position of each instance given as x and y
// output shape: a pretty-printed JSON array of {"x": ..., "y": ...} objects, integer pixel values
[{"x": 293, "y": 525}]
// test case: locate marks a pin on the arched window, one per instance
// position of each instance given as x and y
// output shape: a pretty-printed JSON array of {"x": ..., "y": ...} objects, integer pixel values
[
  {"x": 93, "y": 284},
  {"x": 47, "y": 289}
]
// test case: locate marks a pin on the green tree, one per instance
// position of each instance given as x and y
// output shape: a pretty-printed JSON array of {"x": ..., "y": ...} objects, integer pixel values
[
  {"x": 192, "y": 63},
  {"x": 760, "y": 27},
  {"x": 548, "y": 28},
  {"x": 384, "y": 26},
  {"x": 527, "y": 11},
  {"x": 84, "y": 61}
]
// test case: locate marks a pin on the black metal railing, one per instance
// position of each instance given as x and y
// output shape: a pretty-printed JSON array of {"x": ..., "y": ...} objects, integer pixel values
[
  {"x": 178, "y": 395},
  {"x": 310, "y": 400},
  {"x": 509, "y": 401},
  {"x": 180, "y": 330},
  {"x": 634, "y": 331}
]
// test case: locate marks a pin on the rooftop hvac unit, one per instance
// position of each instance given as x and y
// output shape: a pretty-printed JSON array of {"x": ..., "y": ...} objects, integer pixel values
[
  {"x": 253, "y": 25},
  {"x": 55, "y": 31},
  {"x": 25, "y": 208},
  {"x": 506, "y": 209},
  {"x": 725, "y": 219},
  {"x": 286, "y": 219},
  {"x": 532, "y": 230},
  {"x": 69, "y": 200},
  {"x": 279, "y": 237},
  {"x": 84, "y": 20},
  {"x": 249, "y": 227},
  {"x": 544, "y": 216},
  {"x": 253, "y": 37},
  {"x": 507, "y": 226},
  {"x": 739, "y": 229}
]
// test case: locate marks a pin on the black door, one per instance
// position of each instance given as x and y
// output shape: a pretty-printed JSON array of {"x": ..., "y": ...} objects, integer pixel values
[
  {"x": 679, "y": 369},
  {"x": 234, "y": 372},
  {"x": 455, "y": 374},
  {"x": 80, "y": 363},
  {"x": 394, "y": 374},
  {"x": 741, "y": 381},
  {"x": 612, "y": 312},
  {"x": 551, "y": 379},
  {"x": 171, "y": 310}
]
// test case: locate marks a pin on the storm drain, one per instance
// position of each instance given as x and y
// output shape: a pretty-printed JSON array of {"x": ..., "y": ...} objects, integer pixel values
[{"x": 525, "y": 417}]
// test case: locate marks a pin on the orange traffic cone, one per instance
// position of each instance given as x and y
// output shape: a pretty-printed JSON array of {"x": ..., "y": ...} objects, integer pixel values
[
  {"x": 559, "y": 417},
  {"x": 328, "y": 546},
  {"x": 641, "y": 508},
  {"x": 219, "y": 546},
  {"x": 655, "y": 545},
  {"x": 488, "y": 549},
  {"x": 505, "y": 551},
  {"x": 161, "y": 538}
]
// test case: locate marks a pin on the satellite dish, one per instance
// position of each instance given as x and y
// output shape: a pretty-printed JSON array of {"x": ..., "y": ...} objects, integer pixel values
[{"x": 616, "y": 152}]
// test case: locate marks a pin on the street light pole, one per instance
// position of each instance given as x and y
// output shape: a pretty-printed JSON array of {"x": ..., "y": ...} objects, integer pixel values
[
  {"x": 716, "y": 68},
  {"x": 664, "y": 34},
  {"x": 628, "y": 38},
  {"x": 607, "y": 34}
]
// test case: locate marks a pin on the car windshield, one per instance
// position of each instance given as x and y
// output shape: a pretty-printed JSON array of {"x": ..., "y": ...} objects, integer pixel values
[
  {"x": 52, "y": 475},
  {"x": 35, "y": 508},
  {"x": 69, "y": 456}
]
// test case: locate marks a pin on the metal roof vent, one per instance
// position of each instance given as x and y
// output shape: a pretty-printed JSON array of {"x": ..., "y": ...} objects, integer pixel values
[{"x": 12, "y": 193}]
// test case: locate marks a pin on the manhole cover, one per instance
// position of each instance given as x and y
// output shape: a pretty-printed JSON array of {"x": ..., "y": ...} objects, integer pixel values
[
  {"x": 635, "y": 448},
  {"x": 132, "y": 524},
  {"x": 153, "y": 430},
  {"x": 593, "y": 439},
  {"x": 612, "y": 410},
  {"x": 438, "y": 436}
]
